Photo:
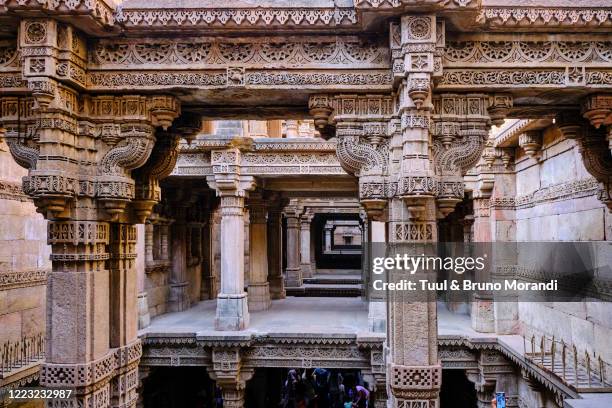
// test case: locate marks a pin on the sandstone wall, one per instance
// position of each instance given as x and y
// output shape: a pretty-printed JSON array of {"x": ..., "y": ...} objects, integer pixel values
[
  {"x": 24, "y": 256},
  {"x": 557, "y": 200}
]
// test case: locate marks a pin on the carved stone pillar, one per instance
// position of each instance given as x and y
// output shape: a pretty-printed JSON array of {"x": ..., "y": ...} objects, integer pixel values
[
  {"x": 81, "y": 159},
  {"x": 292, "y": 128},
  {"x": 377, "y": 307},
  {"x": 179, "y": 296},
  {"x": 293, "y": 271},
  {"x": 305, "y": 223},
  {"x": 232, "y": 304},
  {"x": 494, "y": 374},
  {"x": 145, "y": 235},
  {"x": 259, "y": 288},
  {"x": 327, "y": 237},
  {"x": 123, "y": 319},
  {"x": 164, "y": 231},
  {"x": 230, "y": 376},
  {"x": 209, "y": 280},
  {"x": 275, "y": 253}
]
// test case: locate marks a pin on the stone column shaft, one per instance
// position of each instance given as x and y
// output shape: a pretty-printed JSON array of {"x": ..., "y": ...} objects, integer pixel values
[
  {"x": 164, "y": 241},
  {"x": 232, "y": 309},
  {"x": 143, "y": 305},
  {"x": 377, "y": 308},
  {"x": 179, "y": 299},
  {"x": 305, "y": 223},
  {"x": 124, "y": 318},
  {"x": 293, "y": 272},
  {"x": 259, "y": 290},
  {"x": 328, "y": 239},
  {"x": 275, "y": 254},
  {"x": 209, "y": 280}
]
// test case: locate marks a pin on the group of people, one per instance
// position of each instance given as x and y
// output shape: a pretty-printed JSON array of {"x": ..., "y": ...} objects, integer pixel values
[{"x": 321, "y": 388}]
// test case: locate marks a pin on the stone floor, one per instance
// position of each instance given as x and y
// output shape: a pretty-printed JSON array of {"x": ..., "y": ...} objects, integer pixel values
[
  {"x": 291, "y": 315},
  {"x": 302, "y": 315}
]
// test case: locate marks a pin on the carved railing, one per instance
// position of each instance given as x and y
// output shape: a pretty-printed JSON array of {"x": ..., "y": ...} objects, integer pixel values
[
  {"x": 15, "y": 355},
  {"x": 580, "y": 370}
]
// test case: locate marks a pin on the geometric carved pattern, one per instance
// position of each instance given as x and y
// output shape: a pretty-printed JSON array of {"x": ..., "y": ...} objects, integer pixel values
[
  {"x": 413, "y": 378},
  {"x": 413, "y": 231},
  {"x": 78, "y": 375}
]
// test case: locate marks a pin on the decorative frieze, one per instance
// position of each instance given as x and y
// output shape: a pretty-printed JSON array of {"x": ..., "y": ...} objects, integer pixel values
[
  {"x": 22, "y": 279},
  {"x": 564, "y": 191},
  {"x": 237, "y": 17},
  {"x": 545, "y": 17},
  {"x": 587, "y": 51},
  {"x": 120, "y": 79},
  {"x": 302, "y": 53},
  {"x": 12, "y": 191},
  {"x": 491, "y": 78},
  {"x": 82, "y": 375}
]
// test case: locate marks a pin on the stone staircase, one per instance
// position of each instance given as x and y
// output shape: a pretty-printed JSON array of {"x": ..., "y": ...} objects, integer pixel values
[{"x": 329, "y": 285}]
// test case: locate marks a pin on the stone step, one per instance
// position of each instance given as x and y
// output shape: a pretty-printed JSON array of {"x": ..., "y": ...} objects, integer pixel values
[
  {"x": 334, "y": 280},
  {"x": 338, "y": 272},
  {"x": 325, "y": 290}
]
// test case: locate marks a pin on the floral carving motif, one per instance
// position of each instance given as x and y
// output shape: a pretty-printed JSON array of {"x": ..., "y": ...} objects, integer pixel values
[
  {"x": 503, "y": 77},
  {"x": 419, "y": 28},
  {"x": 341, "y": 51},
  {"x": 545, "y": 16},
  {"x": 35, "y": 32},
  {"x": 524, "y": 51},
  {"x": 7, "y": 53},
  {"x": 233, "y": 16}
]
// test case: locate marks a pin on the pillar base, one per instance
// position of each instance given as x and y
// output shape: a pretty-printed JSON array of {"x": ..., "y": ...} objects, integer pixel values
[
  {"x": 277, "y": 288},
  {"x": 293, "y": 278},
  {"x": 179, "y": 297},
  {"x": 306, "y": 271},
  {"x": 506, "y": 317},
  {"x": 259, "y": 296},
  {"x": 232, "y": 312},
  {"x": 377, "y": 316},
  {"x": 483, "y": 320},
  {"x": 144, "y": 319}
]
